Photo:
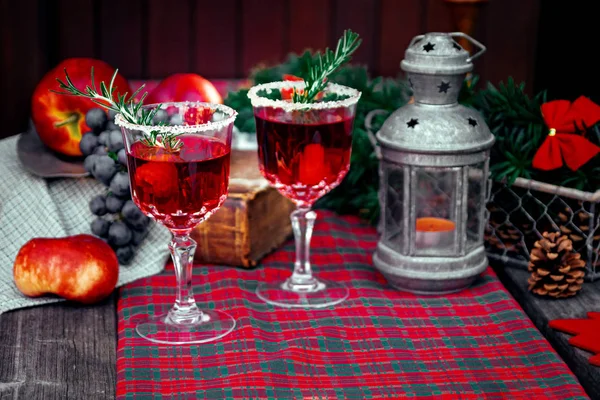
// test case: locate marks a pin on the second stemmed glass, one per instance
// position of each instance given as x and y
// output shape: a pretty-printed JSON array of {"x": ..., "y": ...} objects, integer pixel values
[
  {"x": 304, "y": 152},
  {"x": 181, "y": 188}
]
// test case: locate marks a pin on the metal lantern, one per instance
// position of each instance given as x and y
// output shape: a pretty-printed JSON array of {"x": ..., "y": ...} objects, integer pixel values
[{"x": 434, "y": 174}]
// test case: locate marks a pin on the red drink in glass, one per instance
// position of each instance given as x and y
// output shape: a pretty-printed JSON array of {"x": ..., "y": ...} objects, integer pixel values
[
  {"x": 304, "y": 151},
  {"x": 304, "y": 160},
  {"x": 179, "y": 175},
  {"x": 180, "y": 189}
]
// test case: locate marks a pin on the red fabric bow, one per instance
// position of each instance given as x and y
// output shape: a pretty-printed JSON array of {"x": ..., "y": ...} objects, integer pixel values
[{"x": 565, "y": 119}]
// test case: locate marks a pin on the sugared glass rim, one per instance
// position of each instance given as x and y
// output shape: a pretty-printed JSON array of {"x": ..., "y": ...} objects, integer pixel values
[
  {"x": 259, "y": 101},
  {"x": 180, "y": 129}
]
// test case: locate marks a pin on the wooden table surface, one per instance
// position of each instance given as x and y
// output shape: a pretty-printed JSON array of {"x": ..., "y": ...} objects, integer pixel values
[
  {"x": 64, "y": 351},
  {"x": 59, "y": 351},
  {"x": 543, "y": 310}
]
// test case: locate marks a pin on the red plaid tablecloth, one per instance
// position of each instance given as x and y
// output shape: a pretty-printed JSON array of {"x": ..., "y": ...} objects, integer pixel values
[{"x": 380, "y": 343}]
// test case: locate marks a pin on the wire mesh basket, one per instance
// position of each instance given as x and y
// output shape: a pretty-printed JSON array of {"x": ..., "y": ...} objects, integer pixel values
[{"x": 520, "y": 213}]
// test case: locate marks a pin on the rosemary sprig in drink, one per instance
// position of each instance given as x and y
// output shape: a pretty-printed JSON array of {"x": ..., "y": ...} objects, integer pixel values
[
  {"x": 325, "y": 65},
  {"x": 131, "y": 110}
]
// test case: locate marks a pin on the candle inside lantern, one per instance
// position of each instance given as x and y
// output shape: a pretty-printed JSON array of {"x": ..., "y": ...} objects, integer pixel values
[{"x": 431, "y": 231}]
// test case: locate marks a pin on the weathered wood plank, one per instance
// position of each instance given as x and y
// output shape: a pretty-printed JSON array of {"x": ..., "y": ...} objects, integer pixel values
[
  {"x": 22, "y": 61},
  {"x": 59, "y": 351},
  {"x": 168, "y": 38},
  {"x": 511, "y": 51},
  {"x": 437, "y": 17},
  {"x": 75, "y": 27},
  {"x": 360, "y": 16},
  {"x": 7, "y": 392},
  {"x": 119, "y": 20},
  {"x": 313, "y": 12},
  {"x": 215, "y": 41},
  {"x": 263, "y": 32},
  {"x": 541, "y": 311},
  {"x": 400, "y": 22}
]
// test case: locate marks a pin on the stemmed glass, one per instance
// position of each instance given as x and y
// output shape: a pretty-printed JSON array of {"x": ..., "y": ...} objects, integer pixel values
[
  {"x": 180, "y": 189},
  {"x": 304, "y": 152}
]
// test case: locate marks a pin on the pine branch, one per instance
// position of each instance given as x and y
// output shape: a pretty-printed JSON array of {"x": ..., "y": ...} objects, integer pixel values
[
  {"x": 513, "y": 117},
  {"x": 125, "y": 105},
  {"x": 357, "y": 194},
  {"x": 325, "y": 65}
]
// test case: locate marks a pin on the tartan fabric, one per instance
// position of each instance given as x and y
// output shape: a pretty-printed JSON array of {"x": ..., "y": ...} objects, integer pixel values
[{"x": 380, "y": 343}]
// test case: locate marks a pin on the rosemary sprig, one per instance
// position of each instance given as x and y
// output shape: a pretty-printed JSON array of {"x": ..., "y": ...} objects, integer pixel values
[
  {"x": 325, "y": 65},
  {"x": 131, "y": 110}
]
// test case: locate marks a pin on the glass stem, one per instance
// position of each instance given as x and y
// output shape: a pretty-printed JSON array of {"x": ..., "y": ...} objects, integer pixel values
[
  {"x": 303, "y": 220},
  {"x": 184, "y": 310}
]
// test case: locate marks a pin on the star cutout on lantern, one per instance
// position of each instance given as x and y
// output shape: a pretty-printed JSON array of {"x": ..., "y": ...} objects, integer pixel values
[
  {"x": 472, "y": 122},
  {"x": 444, "y": 87},
  {"x": 412, "y": 123},
  {"x": 456, "y": 46},
  {"x": 428, "y": 47}
]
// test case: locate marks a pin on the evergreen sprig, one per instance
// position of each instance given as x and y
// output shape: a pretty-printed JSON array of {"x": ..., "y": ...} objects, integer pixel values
[
  {"x": 131, "y": 110},
  {"x": 357, "y": 193},
  {"x": 514, "y": 118},
  {"x": 323, "y": 65}
]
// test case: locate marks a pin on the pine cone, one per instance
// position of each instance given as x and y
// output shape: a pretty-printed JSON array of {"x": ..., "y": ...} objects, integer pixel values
[
  {"x": 568, "y": 221},
  {"x": 556, "y": 270},
  {"x": 507, "y": 236},
  {"x": 575, "y": 226}
]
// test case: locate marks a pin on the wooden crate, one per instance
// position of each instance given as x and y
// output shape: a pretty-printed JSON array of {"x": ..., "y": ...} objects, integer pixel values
[{"x": 253, "y": 221}]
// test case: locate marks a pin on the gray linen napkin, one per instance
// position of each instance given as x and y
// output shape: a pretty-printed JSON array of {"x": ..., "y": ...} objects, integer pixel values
[{"x": 34, "y": 207}]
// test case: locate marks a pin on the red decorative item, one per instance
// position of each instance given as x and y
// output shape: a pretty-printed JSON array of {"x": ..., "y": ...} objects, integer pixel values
[
  {"x": 198, "y": 115},
  {"x": 290, "y": 77},
  {"x": 287, "y": 93},
  {"x": 564, "y": 143},
  {"x": 586, "y": 331},
  {"x": 312, "y": 165}
]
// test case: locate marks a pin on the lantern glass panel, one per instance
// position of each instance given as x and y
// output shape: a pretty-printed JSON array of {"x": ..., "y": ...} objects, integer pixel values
[
  {"x": 475, "y": 204},
  {"x": 434, "y": 191},
  {"x": 394, "y": 209}
]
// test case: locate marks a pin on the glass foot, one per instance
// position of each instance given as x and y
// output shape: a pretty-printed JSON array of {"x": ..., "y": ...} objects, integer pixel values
[
  {"x": 211, "y": 325},
  {"x": 319, "y": 294}
]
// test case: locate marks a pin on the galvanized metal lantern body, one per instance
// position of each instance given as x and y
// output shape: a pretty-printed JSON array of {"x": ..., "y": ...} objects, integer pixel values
[{"x": 434, "y": 168}]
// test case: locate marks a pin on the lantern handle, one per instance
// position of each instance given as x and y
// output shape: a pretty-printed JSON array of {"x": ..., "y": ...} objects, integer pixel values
[
  {"x": 482, "y": 48},
  {"x": 369, "y": 129},
  {"x": 415, "y": 40}
]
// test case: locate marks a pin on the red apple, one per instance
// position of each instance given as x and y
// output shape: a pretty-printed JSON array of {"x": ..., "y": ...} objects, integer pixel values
[
  {"x": 80, "y": 268},
  {"x": 60, "y": 119},
  {"x": 184, "y": 87}
]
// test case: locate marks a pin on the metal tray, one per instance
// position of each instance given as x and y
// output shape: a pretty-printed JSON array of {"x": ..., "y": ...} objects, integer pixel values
[{"x": 41, "y": 161}]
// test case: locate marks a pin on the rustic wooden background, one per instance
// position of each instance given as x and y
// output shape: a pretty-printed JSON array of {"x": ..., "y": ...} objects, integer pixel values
[{"x": 224, "y": 39}]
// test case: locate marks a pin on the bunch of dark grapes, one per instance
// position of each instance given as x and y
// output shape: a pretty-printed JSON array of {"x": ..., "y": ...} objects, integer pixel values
[{"x": 118, "y": 220}]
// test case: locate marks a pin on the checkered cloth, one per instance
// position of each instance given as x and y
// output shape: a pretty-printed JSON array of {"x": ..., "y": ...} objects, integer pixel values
[
  {"x": 34, "y": 207},
  {"x": 380, "y": 343}
]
